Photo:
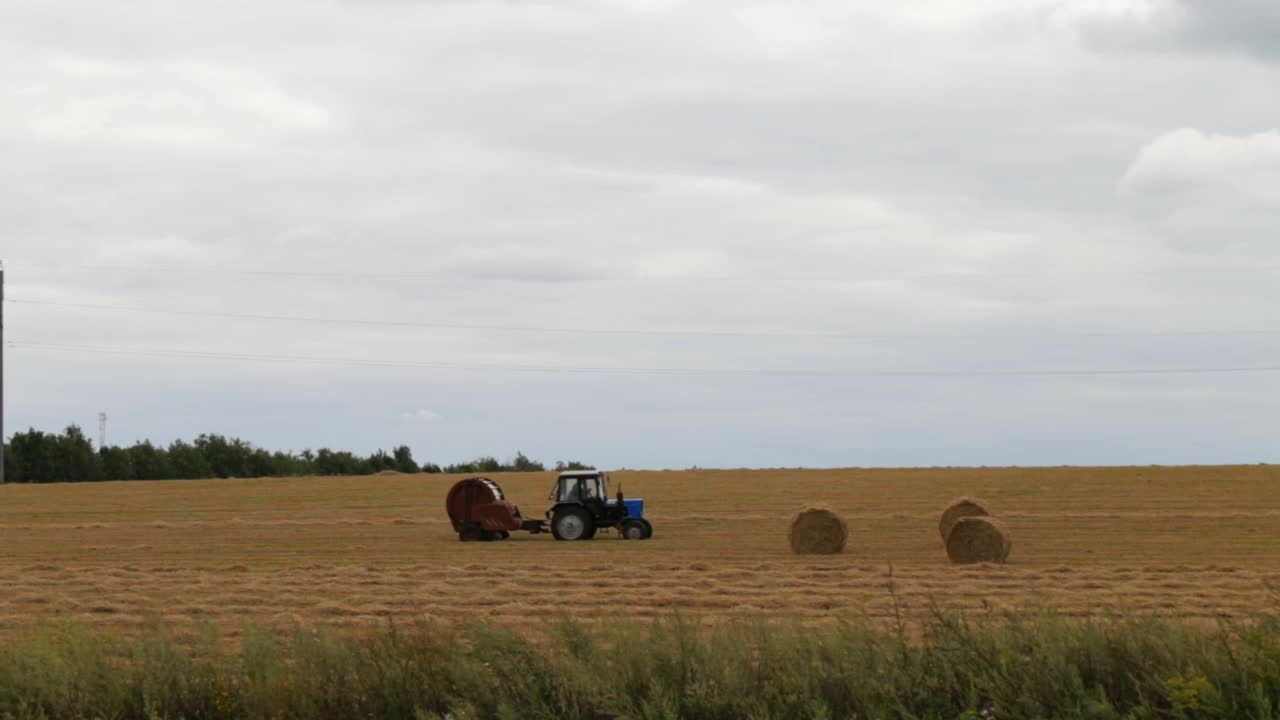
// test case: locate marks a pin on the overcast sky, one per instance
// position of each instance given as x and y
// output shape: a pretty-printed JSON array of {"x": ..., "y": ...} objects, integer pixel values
[{"x": 781, "y": 204}]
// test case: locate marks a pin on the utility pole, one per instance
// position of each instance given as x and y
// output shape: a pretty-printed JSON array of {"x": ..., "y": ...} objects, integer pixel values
[
  {"x": 1, "y": 372},
  {"x": 102, "y": 431}
]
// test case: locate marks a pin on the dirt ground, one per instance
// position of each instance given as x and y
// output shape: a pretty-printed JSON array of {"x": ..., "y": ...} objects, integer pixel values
[{"x": 1196, "y": 542}]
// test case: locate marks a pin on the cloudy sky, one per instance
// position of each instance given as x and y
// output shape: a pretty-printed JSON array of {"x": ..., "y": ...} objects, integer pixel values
[{"x": 645, "y": 233}]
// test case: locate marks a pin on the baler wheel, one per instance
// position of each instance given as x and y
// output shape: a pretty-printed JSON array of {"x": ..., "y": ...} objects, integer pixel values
[
  {"x": 471, "y": 533},
  {"x": 572, "y": 524}
]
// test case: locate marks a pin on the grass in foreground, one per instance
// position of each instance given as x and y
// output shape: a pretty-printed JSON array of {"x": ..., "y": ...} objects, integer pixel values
[{"x": 1009, "y": 668}]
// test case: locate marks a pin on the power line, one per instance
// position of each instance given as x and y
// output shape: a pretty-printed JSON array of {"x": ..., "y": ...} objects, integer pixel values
[
  {"x": 572, "y": 369},
  {"x": 457, "y": 273},
  {"x": 223, "y": 271},
  {"x": 438, "y": 326},
  {"x": 635, "y": 331}
]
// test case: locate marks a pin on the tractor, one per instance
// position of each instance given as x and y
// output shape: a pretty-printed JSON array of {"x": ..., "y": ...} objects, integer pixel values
[{"x": 581, "y": 505}]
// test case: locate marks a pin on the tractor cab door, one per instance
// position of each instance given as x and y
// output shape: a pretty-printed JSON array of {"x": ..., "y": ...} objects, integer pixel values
[
  {"x": 594, "y": 494},
  {"x": 565, "y": 491}
]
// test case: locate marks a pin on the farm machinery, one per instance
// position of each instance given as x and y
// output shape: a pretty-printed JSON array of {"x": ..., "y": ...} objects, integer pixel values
[{"x": 581, "y": 506}]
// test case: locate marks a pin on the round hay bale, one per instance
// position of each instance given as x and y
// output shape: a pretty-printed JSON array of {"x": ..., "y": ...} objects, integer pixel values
[
  {"x": 978, "y": 540},
  {"x": 388, "y": 473},
  {"x": 818, "y": 531},
  {"x": 960, "y": 508}
]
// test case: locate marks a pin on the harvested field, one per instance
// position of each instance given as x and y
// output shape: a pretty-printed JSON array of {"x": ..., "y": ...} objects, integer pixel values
[{"x": 345, "y": 552}]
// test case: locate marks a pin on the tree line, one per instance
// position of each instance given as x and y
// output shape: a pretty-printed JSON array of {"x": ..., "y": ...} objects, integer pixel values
[{"x": 40, "y": 457}]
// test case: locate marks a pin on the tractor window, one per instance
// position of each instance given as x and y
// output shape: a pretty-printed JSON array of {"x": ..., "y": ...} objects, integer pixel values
[
  {"x": 579, "y": 489},
  {"x": 569, "y": 490}
]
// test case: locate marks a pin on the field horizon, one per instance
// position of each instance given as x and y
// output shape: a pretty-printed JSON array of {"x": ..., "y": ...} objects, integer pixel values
[{"x": 551, "y": 472}]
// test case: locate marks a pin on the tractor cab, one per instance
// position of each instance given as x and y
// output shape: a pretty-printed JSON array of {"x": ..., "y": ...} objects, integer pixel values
[
  {"x": 585, "y": 486},
  {"x": 581, "y": 505}
]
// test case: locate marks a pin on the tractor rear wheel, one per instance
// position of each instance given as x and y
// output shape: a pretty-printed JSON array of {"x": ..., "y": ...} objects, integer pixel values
[
  {"x": 634, "y": 530},
  {"x": 572, "y": 524}
]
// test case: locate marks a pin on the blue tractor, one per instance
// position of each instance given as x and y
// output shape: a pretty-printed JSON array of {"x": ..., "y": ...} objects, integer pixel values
[{"x": 582, "y": 506}]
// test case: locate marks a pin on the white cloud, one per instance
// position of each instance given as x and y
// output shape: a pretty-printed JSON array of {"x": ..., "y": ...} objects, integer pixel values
[
  {"x": 1209, "y": 191},
  {"x": 1086, "y": 16},
  {"x": 690, "y": 263},
  {"x": 177, "y": 105},
  {"x": 1188, "y": 158},
  {"x": 423, "y": 416}
]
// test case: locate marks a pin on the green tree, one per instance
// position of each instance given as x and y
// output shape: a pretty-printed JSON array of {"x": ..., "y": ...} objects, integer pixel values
[
  {"x": 378, "y": 462},
  {"x": 261, "y": 464},
  {"x": 479, "y": 465},
  {"x": 14, "y": 464},
  {"x": 80, "y": 463},
  {"x": 329, "y": 462},
  {"x": 117, "y": 464},
  {"x": 404, "y": 460},
  {"x": 150, "y": 462},
  {"x": 32, "y": 458},
  {"x": 40, "y": 457},
  {"x": 285, "y": 464},
  {"x": 226, "y": 457},
  {"x": 187, "y": 462},
  {"x": 524, "y": 464}
]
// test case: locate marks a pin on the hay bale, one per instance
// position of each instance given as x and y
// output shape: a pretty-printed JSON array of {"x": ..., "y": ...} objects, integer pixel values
[
  {"x": 818, "y": 531},
  {"x": 978, "y": 540},
  {"x": 960, "y": 508}
]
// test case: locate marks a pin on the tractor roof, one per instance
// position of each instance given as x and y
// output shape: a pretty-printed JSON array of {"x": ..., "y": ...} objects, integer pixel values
[{"x": 580, "y": 473}]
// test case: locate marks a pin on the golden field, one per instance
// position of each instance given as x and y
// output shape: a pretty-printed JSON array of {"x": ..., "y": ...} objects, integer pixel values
[{"x": 1194, "y": 542}]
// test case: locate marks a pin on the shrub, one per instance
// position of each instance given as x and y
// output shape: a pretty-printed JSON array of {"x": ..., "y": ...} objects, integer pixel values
[{"x": 1046, "y": 667}]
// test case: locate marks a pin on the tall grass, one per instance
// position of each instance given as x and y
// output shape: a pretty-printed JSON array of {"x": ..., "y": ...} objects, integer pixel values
[{"x": 1047, "y": 667}]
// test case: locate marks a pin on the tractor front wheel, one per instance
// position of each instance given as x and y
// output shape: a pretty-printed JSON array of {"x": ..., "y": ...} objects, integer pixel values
[
  {"x": 572, "y": 524},
  {"x": 634, "y": 530}
]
